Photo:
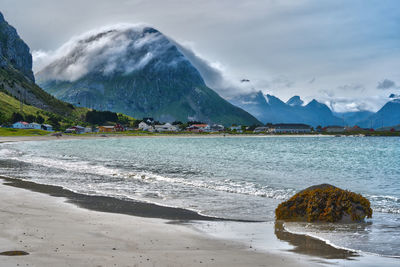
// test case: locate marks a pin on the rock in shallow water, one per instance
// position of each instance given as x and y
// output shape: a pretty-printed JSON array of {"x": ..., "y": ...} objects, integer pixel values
[{"x": 324, "y": 203}]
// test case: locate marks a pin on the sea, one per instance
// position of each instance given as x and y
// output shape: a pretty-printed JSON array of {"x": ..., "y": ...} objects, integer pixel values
[{"x": 239, "y": 178}]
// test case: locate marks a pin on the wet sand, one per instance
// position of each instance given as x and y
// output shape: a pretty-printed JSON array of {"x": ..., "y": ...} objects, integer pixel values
[{"x": 57, "y": 233}]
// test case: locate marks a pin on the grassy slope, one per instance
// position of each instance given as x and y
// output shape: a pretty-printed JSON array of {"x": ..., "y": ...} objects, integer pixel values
[
  {"x": 9, "y": 104},
  {"x": 21, "y": 132},
  {"x": 11, "y": 77}
]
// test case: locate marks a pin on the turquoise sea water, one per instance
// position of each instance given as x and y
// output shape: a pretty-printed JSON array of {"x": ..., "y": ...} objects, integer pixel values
[{"x": 232, "y": 177}]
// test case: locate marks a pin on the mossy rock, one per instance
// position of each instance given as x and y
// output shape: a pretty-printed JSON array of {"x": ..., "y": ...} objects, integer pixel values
[{"x": 324, "y": 203}]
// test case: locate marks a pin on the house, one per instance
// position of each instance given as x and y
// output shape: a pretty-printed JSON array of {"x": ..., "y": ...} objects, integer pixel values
[
  {"x": 119, "y": 128},
  {"x": 198, "y": 128},
  {"x": 144, "y": 126},
  {"x": 88, "y": 129},
  {"x": 289, "y": 128},
  {"x": 237, "y": 129},
  {"x": 106, "y": 129},
  {"x": 217, "y": 128},
  {"x": 76, "y": 129},
  {"x": 34, "y": 125},
  {"x": 21, "y": 125},
  {"x": 389, "y": 129},
  {"x": 334, "y": 129},
  {"x": 165, "y": 128},
  {"x": 47, "y": 127},
  {"x": 261, "y": 129}
]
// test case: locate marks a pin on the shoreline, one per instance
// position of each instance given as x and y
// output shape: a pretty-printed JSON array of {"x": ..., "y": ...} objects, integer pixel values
[
  {"x": 57, "y": 233},
  {"x": 10, "y": 139},
  {"x": 43, "y": 221}
]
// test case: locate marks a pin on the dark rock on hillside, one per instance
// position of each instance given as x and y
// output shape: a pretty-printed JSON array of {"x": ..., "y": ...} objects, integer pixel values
[
  {"x": 13, "y": 50},
  {"x": 324, "y": 203}
]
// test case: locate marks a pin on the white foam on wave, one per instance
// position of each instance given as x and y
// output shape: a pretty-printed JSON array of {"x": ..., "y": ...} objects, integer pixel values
[{"x": 69, "y": 163}]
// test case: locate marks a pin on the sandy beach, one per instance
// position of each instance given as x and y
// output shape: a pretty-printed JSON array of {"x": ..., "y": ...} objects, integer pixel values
[{"x": 56, "y": 233}]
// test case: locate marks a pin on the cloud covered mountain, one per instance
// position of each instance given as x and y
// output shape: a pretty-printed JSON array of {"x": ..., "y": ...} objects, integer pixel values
[{"x": 136, "y": 70}]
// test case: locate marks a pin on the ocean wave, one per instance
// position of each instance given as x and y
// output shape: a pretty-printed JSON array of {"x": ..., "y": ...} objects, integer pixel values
[{"x": 70, "y": 163}]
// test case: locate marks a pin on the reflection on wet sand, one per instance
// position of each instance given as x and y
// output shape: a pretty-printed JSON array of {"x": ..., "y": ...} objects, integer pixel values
[{"x": 310, "y": 246}]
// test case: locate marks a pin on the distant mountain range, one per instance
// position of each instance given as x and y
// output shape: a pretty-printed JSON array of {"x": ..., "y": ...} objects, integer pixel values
[
  {"x": 388, "y": 115},
  {"x": 137, "y": 71},
  {"x": 270, "y": 109}
]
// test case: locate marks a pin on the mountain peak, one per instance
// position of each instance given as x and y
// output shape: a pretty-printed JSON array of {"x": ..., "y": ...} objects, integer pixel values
[
  {"x": 295, "y": 101},
  {"x": 114, "y": 50},
  {"x": 138, "y": 71}
]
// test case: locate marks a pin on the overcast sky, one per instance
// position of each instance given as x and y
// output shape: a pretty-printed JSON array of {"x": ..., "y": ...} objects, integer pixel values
[{"x": 346, "y": 53}]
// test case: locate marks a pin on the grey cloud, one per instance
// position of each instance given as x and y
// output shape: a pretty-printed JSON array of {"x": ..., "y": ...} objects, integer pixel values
[{"x": 386, "y": 84}]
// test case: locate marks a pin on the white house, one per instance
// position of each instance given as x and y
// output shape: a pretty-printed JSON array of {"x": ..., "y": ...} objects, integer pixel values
[
  {"x": 165, "y": 128},
  {"x": 144, "y": 126},
  {"x": 88, "y": 129},
  {"x": 237, "y": 129},
  {"x": 261, "y": 129},
  {"x": 21, "y": 125}
]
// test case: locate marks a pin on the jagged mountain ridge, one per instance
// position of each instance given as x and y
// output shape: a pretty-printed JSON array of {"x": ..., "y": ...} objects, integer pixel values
[
  {"x": 138, "y": 71},
  {"x": 270, "y": 109}
]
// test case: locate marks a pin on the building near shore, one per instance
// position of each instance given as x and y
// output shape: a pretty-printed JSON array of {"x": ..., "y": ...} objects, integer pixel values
[
  {"x": 261, "y": 129},
  {"x": 145, "y": 127},
  {"x": 395, "y": 128},
  {"x": 75, "y": 129},
  {"x": 47, "y": 127},
  {"x": 334, "y": 129},
  {"x": 119, "y": 128},
  {"x": 237, "y": 129},
  {"x": 21, "y": 125},
  {"x": 165, "y": 128},
  {"x": 106, "y": 129},
  {"x": 217, "y": 128},
  {"x": 289, "y": 128},
  {"x": 198, "y": 128},
  {"x": 34, "y": 125}
]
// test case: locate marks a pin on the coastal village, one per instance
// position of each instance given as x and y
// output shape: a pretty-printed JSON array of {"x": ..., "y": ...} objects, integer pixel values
[{"x": 151, "y": 126}]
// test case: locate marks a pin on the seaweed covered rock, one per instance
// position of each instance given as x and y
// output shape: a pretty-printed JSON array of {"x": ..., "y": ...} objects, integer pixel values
[{"x": 324, "y": 203}]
